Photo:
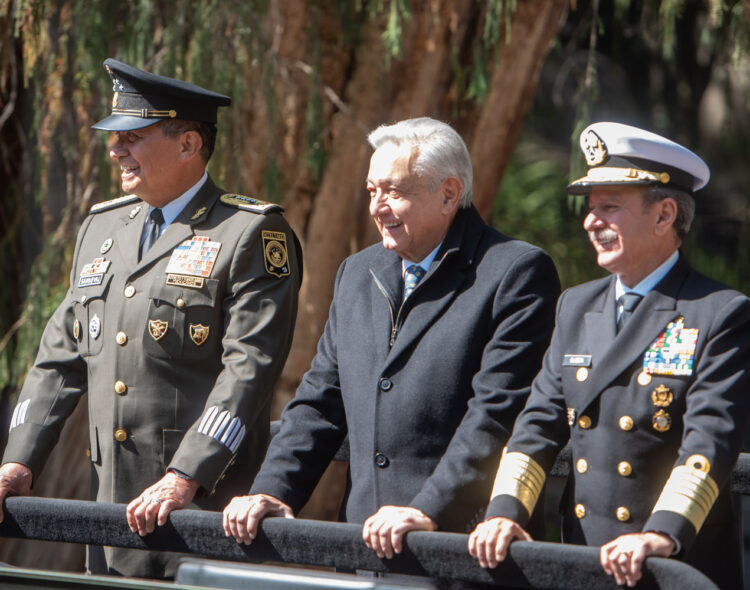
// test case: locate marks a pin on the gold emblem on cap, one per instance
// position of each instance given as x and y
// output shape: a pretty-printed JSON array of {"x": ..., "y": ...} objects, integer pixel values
[
  {"x": 662, "y": 396},
  {"x": 623, "y": 514},
  {"x": 644, "y": 378},
  {"x": 157, "y": 328},
  {"x": 626, "y": 423},
  {"x": 584, "y": 422},
  {"x": 594, "y": 149},
  {"x": 661, "y": 421},
  {"x": 198, "y": 213},
  {"x": 582, "y": 374}
]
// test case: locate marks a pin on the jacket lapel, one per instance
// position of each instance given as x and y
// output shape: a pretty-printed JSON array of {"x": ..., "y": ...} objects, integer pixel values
[
  {"x": 438, "y": 288},
  {"x": 129, "y": 235},
  {"x": 649, "y": 320},
  {"x": 181, "y": 228}
]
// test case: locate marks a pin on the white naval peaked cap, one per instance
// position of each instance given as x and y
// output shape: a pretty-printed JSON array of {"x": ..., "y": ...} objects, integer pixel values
[{"x": 622, "y": 154}]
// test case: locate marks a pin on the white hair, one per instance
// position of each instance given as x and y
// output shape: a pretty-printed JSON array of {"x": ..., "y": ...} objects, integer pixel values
[{"x": 441, "y": 151}]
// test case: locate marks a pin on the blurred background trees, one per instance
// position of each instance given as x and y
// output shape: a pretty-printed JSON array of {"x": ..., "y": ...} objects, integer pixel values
[{"x": 309, "y": 78}]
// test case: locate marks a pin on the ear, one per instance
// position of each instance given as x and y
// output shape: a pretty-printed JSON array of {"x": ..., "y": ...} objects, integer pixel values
[
  {"x": 190, "y": 145},
  {"x": 666, "y": 214},
  {"x": 450, "y": 190}
]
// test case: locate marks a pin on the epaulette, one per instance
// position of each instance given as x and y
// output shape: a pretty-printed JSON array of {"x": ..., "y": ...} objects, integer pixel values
[
  {"x": 111, "y": 204},
  {"x": 250, "y": 204}
]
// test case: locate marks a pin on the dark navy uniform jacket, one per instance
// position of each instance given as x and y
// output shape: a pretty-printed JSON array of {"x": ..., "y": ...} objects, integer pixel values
[
  {"x": 629, "y": 429},
  {"x": 179, "y": 368},
  {"x": 428, "y": 388}
]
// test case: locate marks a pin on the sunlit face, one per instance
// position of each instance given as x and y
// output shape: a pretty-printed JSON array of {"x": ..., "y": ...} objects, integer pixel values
[
  {"x": 149, "y": 163},
  {"x": 623, "y": 232},
  {"x": 411, "y": 218}
]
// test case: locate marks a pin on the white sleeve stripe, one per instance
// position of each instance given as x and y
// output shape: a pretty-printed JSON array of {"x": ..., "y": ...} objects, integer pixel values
[
  {"x": 24, "y": 407},
  {"x": 233, "y": 426},
  {"x": 19, "y": 414},
  {"x": 239, "y": 434},
  {"x": 237, "y": 440},
  {"x": 13, "y": 420},
  {"x": 219, "y": 425},
  {"x": 220, "y": 420},
  {"x": 207, "y": 418}
]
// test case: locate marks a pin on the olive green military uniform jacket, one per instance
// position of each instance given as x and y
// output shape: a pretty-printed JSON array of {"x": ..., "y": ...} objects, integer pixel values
[{"x": 179, "y": 353}]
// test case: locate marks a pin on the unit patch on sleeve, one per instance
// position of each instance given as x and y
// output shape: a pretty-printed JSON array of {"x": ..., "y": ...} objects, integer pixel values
[
  {"x": 192, "y": 261},
  {"x": 673, "y": 352},
  {"x": 274, "y": 248}
]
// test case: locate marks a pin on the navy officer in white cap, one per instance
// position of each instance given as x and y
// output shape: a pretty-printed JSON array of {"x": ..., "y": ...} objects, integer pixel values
[
  {"x": 646, "y": 375},
  {"x": 177, "y": 322}
]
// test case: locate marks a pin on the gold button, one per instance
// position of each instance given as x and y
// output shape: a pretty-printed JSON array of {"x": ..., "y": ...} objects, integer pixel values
[
  {"x": 582, "y": 465},
  {"x": 644, "y": 379},
  {"x": 88, "y": 452},
  {"x": 580, "y": 510},
  {"x": 624, "y": 468},
  {"x": 584, "y": 422},
  {"x": 129, "y": 291},
  {"x": 121, "y": 435},
  {"x": 180, "y": 303},
  {"x": 121, "y": 338},
  {"x": 582, "y": 374},
  {"x": 623, "y": 514},
  {"x": 626, "y": 423},
  {"x": 120, "y": 387}
]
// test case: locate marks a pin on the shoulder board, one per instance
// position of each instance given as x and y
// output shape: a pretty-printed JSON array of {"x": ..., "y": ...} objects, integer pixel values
[
  {"x": 250, "y": 204},
  {"x": 113, "y": 203}
]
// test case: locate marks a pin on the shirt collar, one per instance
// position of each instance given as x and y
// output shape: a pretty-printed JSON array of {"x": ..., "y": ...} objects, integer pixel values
[
  {"x": 651, "y": 280},
  {"x": 424, "y": 263},
  {"x": 172, "y": 209}
]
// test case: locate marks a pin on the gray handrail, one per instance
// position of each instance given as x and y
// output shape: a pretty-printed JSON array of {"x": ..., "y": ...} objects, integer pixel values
[{"x": 435, "y": 555}]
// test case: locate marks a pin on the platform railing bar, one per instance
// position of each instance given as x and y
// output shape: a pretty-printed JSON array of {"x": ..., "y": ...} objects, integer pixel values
[{"x": 307, "y": 542}]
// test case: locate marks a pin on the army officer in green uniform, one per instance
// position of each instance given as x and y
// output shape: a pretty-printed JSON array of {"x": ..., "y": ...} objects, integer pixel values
[{"x": 178, "y": 321}]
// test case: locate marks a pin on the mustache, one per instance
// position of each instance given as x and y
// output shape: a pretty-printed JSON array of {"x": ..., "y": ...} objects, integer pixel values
[{"x": 602, "y": 235}]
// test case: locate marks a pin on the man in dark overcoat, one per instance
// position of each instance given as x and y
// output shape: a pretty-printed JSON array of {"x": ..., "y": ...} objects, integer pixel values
[
  {"x": 177, "y": 322},
  {"x": 646, "y": 375},
  {"x": 432, "y": 340}
]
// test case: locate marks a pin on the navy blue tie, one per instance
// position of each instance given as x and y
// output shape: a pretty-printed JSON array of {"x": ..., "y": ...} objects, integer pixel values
[
  {"x": 629, "y": 302},
  {"x": 152, "y": 231}
]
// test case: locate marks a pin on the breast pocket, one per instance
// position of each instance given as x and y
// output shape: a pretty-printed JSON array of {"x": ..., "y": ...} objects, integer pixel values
[
  {"x": 88, "y": 309},
  {"x": 181, "y": 323}
]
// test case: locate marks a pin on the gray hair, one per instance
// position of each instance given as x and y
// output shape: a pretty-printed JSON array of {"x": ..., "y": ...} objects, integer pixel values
[
  {"x": 441, "y": 151},
  {"x": 685, "y": 206}
]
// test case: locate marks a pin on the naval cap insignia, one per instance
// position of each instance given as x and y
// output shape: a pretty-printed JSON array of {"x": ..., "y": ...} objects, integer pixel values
[{"x": 593, "y": 148}]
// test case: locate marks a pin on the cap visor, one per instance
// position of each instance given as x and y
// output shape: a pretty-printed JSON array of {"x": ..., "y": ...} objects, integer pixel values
[
  {"x": 124, "y": 123},
  {"x": 583, "y": 186}
]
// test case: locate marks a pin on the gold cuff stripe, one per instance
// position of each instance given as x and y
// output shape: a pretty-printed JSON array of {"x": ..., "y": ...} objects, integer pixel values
[
  {"x": 690, "y": 493},
  {"x": 521, "y": 477},
  {"x": 610, "y": 174},
  {"x": 145, "y": 113}
]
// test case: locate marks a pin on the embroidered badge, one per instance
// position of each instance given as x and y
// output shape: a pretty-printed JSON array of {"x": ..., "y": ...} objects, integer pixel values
[
  {"x": 192, "y": 258},
  {"x": 95, "y": 326},
  {"x": 134, "y": 211},
  {"x": 594, "y": 149},
  {"x": 199, "y": 333},
  {"x": 92, "y": 274},
  {"x": 198, "y": 213},
  {"x": 157, "y": 328},
  {"x": 661, "y": 421},
  {"x": 276, "y": 259},
  {"x": 76, "y": 330},
  {"x": 106, "y": 245},
  {"x": 662, "y": 396},
  {"x": 673, "y": 352}
]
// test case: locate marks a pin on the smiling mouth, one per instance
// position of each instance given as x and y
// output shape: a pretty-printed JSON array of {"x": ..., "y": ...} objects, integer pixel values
[
  {"x": 391, "y": 225},
  {"x": 128, "y": 169},
  {"x": 603, "y": 238}
]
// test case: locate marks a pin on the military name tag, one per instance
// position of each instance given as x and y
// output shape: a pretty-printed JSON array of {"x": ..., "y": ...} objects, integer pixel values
[
  {"x": 185, "y": 281},
  {"x": 195, "y": 257},
  {"x": 673, "y": 352},
  {"x": 576, "y": 360},
  {"x": 93, "y": 273},
  {"x": 276, "y": 259}
]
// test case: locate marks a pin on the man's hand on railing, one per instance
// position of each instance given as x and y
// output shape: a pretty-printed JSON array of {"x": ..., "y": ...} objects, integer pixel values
[
  {"x": 623, "y": 558},
  {"x": 153, "y": 506},
  {"x": 384, "y": 531},
  {"x": 15, "y": 480},
  {"x": 490, "y": 540},
  {"x": 244, "y": 513}
]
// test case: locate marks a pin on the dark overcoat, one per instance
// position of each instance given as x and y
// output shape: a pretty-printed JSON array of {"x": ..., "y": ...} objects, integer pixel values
[
  {"x": 179, "y": 367},
  {"x": 427, "y": 388},
  {"x": 629, "y": 427}
]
